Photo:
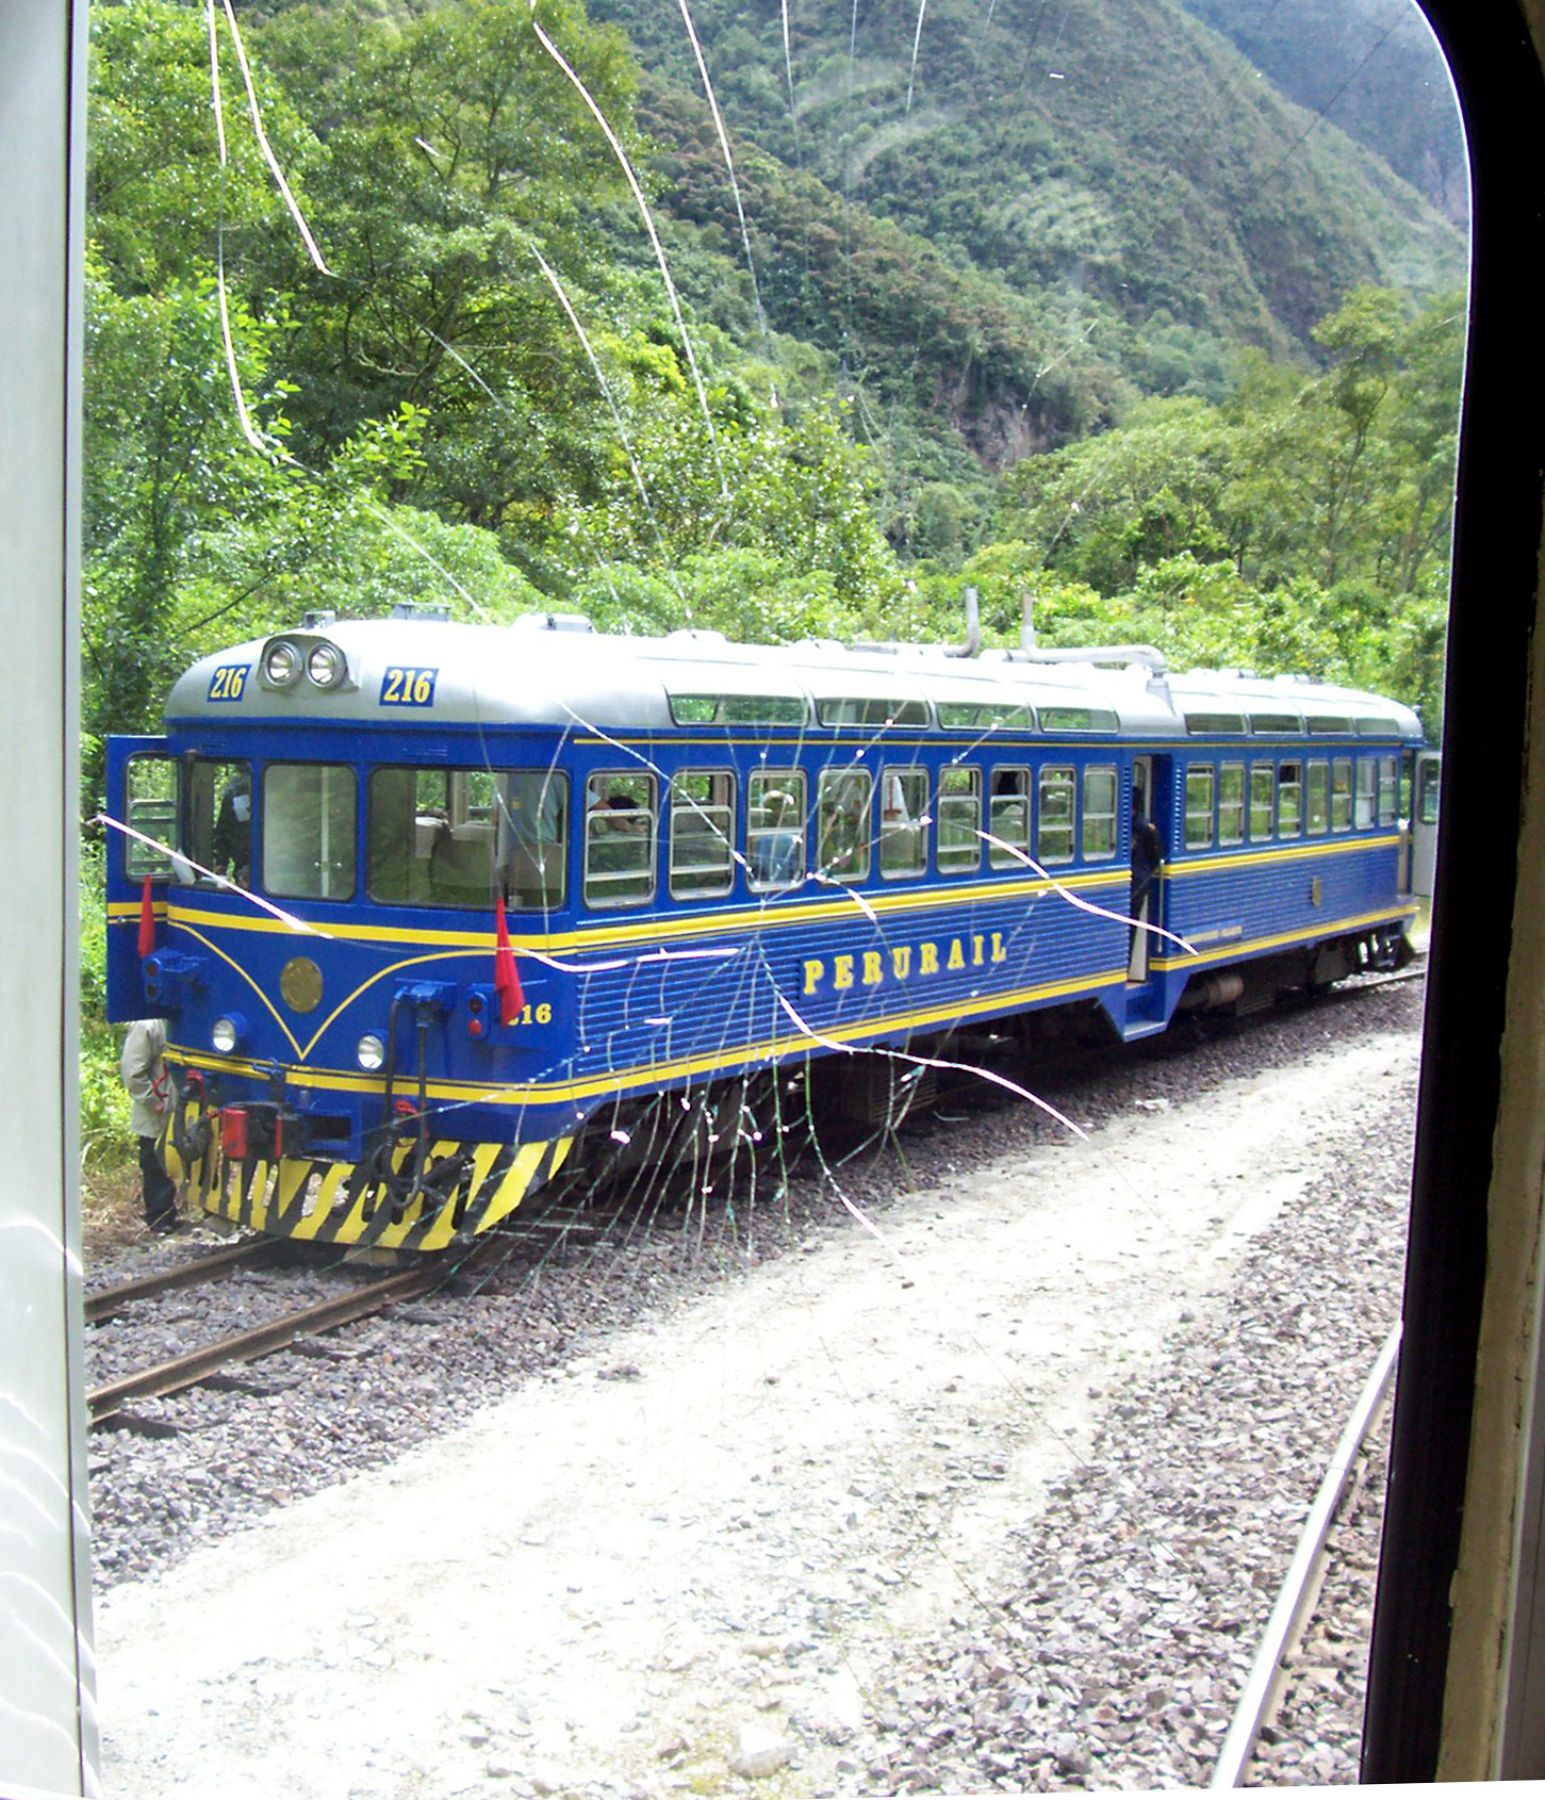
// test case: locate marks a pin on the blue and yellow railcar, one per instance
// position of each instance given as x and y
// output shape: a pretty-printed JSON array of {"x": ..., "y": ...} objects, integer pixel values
[{"x": 437, "y": 912}]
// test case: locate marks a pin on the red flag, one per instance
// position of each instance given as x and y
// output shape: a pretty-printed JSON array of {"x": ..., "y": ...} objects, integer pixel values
[
  {"x": 506, "y": 978},
  {"x": 147, "y": 921}
]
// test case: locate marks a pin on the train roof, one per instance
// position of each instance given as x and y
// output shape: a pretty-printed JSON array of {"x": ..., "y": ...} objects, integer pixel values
[{"x": 548, "y": 671}]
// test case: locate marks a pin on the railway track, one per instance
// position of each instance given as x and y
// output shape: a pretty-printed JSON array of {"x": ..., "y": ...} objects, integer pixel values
[
  {"x": 109, "y": 1401},
  {"x": 1301, "y": 1586},
  {"x": 1365, "y": 984},
  {"x": 107, "y": 1302}
]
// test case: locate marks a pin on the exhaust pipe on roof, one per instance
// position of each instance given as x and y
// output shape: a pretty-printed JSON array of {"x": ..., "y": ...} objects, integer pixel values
[{"x": 973, "y": 643}]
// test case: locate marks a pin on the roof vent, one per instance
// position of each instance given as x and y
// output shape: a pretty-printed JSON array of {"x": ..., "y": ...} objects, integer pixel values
[
  {"x": 553, "y": 622},
  {"x": 431, "y": 611}
]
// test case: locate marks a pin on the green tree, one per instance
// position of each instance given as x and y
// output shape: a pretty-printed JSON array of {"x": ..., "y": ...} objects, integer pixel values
[
  {"x": 165, "y": 460},
  {"x": 451, "y": 149}
]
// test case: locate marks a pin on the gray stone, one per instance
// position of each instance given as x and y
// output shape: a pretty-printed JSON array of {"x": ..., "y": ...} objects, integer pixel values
[{"x": 759, "y": 1752}]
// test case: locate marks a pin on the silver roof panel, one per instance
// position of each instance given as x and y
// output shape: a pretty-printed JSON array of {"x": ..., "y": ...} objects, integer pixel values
[{"x": 528, "y": 675}]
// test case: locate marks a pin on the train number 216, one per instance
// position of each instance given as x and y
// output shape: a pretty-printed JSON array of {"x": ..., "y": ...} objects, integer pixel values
[{"x": 408, "y": 687}]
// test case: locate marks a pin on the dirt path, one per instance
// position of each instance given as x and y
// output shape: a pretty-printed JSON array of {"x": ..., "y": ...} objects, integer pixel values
[{"x": 697, "y": 1546}]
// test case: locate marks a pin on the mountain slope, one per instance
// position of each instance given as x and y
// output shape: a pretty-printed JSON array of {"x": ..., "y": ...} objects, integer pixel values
[
  {"x": 1373, "y": 68},
  {"x": 1112, "y": 149}
]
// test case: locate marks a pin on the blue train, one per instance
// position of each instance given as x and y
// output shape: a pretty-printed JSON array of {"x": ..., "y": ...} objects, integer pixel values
[{"x": 437, "y": 912}]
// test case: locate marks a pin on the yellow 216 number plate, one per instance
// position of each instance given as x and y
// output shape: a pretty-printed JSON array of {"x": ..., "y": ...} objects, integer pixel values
[{"x": 404, "y": 686}]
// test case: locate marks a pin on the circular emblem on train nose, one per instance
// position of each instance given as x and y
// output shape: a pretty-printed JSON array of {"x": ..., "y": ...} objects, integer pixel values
[{"x": 300, "y": 981}]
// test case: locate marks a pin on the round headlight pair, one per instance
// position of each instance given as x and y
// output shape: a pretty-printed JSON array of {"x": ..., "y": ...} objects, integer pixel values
[{"x": 283, "y": 662}]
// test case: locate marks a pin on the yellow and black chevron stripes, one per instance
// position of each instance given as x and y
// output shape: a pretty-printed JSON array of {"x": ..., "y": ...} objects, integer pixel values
[{"x": 467, "y": 1189}]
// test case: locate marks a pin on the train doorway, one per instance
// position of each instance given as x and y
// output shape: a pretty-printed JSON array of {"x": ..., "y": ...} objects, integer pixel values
[
  {"x": 1150, "y": 795},
  {"x": 1424, "y": 823}
]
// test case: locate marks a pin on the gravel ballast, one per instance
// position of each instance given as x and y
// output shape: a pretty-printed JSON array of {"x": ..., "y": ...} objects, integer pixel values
[{"x": 992, "y": 1489}]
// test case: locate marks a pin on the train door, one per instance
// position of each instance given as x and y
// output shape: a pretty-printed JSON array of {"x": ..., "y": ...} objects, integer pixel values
[
  {"x": 1150, "y": 793},
  {"x": 1424, "y": 822},
  {"x": 141, "y": 795}
]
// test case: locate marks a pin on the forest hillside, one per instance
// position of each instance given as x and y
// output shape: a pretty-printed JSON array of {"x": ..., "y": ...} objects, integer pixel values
[
  {"x": 1372, "y": 68},
  {"x": 485, "y": 302}
]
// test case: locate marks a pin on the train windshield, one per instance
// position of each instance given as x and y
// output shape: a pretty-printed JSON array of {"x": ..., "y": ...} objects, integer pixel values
[{"x": 309, "y": 830}]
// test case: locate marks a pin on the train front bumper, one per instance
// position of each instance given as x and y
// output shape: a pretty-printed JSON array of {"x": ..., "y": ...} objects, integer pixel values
[{"x": 409, "y": 1193}]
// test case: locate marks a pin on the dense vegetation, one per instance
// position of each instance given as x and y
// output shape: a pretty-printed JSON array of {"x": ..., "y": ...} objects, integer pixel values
[
  {"x": 1086, "y": 318},
  {"x": 1369, "y": 67}
]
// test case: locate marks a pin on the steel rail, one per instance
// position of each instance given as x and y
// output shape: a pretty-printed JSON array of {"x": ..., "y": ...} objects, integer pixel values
[
  {"x": 1385, "y": 978},
  {"x": 106, "y": 1301},
  {"x": 197, "y": 1365},
  {"x": 1298, "y": 1585}
]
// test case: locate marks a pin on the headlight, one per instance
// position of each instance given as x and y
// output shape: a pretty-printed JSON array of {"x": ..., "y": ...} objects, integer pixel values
[
  {"x": 326, "y": 666},
  {"x": 281, "y": 664},
  {"x": 227, "y": 1032},
  {"x": 371, "y": 1053}
]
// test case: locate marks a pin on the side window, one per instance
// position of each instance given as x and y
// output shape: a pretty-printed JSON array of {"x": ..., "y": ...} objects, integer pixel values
[
  {"x": 533, "y": 842},
  {"x": 308, "y": 830},
  {"x": 1389, "y": 790},
  {"x": 1290, "y": 800},
  {"x": 960, "y": 820},
  {"x": 775, "y": 828},
  {"x": 1008, "y": 819},
  {"x": 1099, "y": 812},
  {"x": 1054, "y": 830},
  {"x": 622, "y": 813},
  {"x": 702, "y": 859},
  {"x": 150, "y": 795},
  {"x": 1427, "y": 784},
  {"x": 437, "y": 837},
  {"x": 1231, "y": 803},
  {"x": 1364, "y": 804},
  {"x": 1199, "y": 791},
  {"x": 1341, "y": 794},
  {"x": 842, "y": 824},
  {"x": 217, "y": 821},
  {"x": 903, "y": 822},
  {"x": 1317, "y": 800},
  {"x": 1263, "y": 801}
]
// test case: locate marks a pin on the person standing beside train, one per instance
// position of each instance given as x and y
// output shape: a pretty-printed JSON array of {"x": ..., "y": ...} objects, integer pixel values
[
  {"x": 143, "y": 1069},
  {"x": 1147, "y": 857}
]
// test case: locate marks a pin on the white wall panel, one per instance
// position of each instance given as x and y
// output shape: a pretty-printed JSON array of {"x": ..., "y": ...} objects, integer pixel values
[{"x": 47, "y": 1733}]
